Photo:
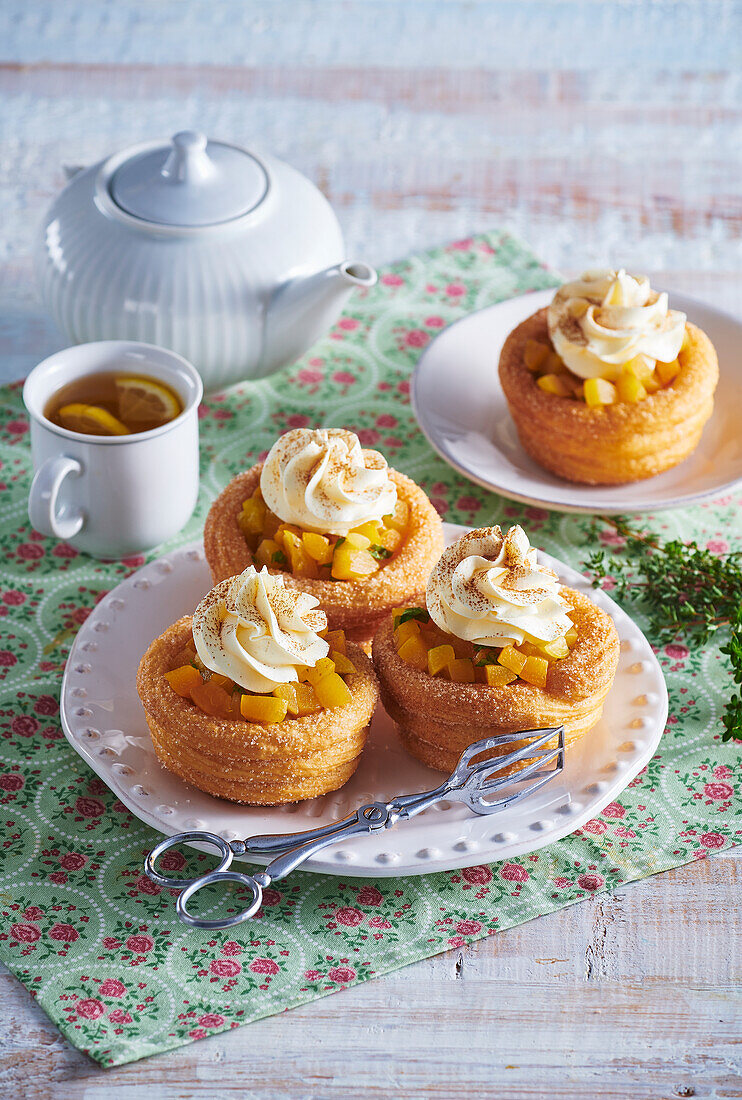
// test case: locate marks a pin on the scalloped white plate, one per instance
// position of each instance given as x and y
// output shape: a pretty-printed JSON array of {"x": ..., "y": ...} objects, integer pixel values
[
  {"x": 104, "y": 722},
  {"x": 460, "y": 406}
]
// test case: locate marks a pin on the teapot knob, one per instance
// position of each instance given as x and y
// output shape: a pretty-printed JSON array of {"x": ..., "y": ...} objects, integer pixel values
[{"x": 188, "y": 161}]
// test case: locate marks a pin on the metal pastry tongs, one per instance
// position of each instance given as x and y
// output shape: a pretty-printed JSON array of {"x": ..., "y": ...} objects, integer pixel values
[{"x": 476, "y": 783}]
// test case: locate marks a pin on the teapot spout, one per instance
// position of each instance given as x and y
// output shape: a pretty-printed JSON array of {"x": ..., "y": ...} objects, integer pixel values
[
  {"x": 355, "y": 273},
  {"x": 304, "y": 308}
]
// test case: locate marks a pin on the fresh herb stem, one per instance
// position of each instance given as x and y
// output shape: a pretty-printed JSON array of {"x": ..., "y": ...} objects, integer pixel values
[
  {"x": 683, "y": 589},
  {"x": 413, "y": 613}
]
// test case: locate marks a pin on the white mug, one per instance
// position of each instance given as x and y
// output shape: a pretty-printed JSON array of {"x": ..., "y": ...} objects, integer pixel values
[{"x": 113, "y": 495}]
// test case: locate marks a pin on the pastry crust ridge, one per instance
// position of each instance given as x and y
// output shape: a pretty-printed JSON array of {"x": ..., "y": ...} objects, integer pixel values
[
  {"x": 248, "y": 761},
  {"x": 438, "y": 719},
  {"x": 357, "y": 607},
  {"x": 614, "y": 444}
]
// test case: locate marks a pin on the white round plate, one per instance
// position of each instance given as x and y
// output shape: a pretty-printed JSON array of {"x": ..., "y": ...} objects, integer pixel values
[
  {"x": 104, "y": 721},
  {"x": 460, "y": 406}
]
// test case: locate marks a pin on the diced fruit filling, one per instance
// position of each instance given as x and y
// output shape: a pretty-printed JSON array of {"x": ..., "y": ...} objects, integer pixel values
[
  {"x": 319, "y": 687},
  {"x": 424, "y": 645},
  {"x": 639, "y": 378},
  {"x": 284, "y": 546}
]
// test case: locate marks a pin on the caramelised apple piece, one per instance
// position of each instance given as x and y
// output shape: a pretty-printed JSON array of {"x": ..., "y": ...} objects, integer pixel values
[
  {"x": 332, "y": 691},
  {"x": 183, "y": 679},
  {"x": 630, "y": 388},
  {"x": 336, "y": 640},
  {"x": 389, "y": 538},
  {"x": 667, "y": 372},
  {"x": 498, "y": 676},
  {"x": 599, "y": 392},
  {"x": 343, "y": 664},
  {"x": 576, "y": 386},
  {"x": 512, "y": 659},
  {"x": 461, "y": 671},
  {"x": 534, "y": 671},
  {"x": 263, "y": 708},
  {"x": 400, "y": 517},
  {"x": 409, "y": 628},
  {"x": 324, "y": 667},
  {"x": 357, "y": 539},
  {"x": 641, "y": 367},
  {"x": 369, "y": 530},
  {"x": 554, "y": 364},
  {"x": 535, "y": 354},
  {"x": 317, "y": 547},
  {"x": 252, "y": 517},
  {"x": 287, "y": 692},
  {"x": 212, "y": 699},
  {"x": 307, "y": 700},
  {"x": 302, "y": 565},
  {"x": 270, "y": 554},
  {"x": 271, "y": 523},
  {"x": 554, "y": 384},
  {"x": 352, "y": 562},
  {"x": 217, "y": 679},
  {"x": 415, "y": 652},
  {"x": 556, "y": 650},
  {"x": 440, "y": 657}
]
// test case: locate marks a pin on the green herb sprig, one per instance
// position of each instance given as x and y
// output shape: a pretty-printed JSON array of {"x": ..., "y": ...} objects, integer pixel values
[
  {"x": 379, "y": 552},
  {"x": 419, "y": 613},
  {"x": 684, "y": 590}
]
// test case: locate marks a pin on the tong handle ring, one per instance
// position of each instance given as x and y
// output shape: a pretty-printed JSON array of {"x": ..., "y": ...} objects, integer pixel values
[
  {"x": 252, "y": 884},
  {"x": 213, "y": 839}
]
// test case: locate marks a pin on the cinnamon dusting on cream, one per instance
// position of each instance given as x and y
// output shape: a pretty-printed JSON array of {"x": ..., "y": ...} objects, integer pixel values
[
  {"x": 490, "y": 589},
  {"x": 255, "y": 631},
  {"x": 322, "y": 480}
]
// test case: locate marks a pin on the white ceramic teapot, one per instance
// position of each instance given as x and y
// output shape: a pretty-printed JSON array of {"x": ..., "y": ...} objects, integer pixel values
[{"x": 232, "y": 260}]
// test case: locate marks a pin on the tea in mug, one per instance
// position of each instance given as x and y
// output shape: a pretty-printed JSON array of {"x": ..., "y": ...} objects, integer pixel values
[{"x": 108, "y": 403}]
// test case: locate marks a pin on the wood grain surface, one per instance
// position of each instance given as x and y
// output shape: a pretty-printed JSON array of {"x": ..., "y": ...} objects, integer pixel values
[{"x": 600, "y": 132}]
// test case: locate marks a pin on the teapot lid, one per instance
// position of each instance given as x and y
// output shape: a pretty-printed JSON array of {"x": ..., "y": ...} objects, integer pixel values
[{"x": 189, "y": 182}]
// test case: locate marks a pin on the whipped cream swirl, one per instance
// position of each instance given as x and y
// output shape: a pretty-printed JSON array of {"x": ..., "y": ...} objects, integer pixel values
[
  {"x": 253, "y": 630},
  {"x": 491, "y": 590},
  {"x": 605, "y": 318},
  {"x": 322, "y": 480}
]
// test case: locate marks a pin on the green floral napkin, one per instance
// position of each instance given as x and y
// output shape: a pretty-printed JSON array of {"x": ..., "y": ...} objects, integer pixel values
[{"x": 91, "y": 937}]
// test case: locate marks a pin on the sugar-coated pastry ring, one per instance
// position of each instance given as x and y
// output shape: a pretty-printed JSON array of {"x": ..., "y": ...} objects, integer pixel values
[
  {"x": 613, "y": 444},
  {"x": 357, "y": 607},
  {"x": 438, "y": 719},
  {"x": 248, "y": 761}
]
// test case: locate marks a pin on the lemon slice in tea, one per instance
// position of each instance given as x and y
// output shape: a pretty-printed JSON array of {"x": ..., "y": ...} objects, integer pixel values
[
  {"x": 90, "y": 419},
  {"x": 144, "y": 401}
]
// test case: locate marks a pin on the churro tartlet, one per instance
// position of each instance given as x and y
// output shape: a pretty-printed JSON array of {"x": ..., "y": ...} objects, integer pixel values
[
  {"x": 608, "y": 385},
  {"x": 253, "y": 699},
  {"x": 335, "y": 521},
  {"x": 500, "y": 646}
]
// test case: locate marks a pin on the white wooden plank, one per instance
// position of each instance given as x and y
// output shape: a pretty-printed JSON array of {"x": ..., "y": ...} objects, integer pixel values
[
  {"x": 511, "y": 34},
  {"x": 636, "y": 993},
  {"x": 583, "y": 179}
]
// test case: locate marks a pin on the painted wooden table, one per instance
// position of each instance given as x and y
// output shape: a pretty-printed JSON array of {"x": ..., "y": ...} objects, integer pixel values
[{"x": 598, "y": 131}]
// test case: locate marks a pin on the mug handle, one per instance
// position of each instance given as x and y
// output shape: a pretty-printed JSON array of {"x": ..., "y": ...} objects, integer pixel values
[{"x": 42, "y": 500}]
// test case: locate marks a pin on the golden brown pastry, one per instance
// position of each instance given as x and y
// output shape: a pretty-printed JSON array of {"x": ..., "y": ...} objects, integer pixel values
[
  {"x": 248, "y": 702},
  {"x": 334, "y": 521},
  {"x": 527, "y": 653},
  {"x": 607, "y": 385}
]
